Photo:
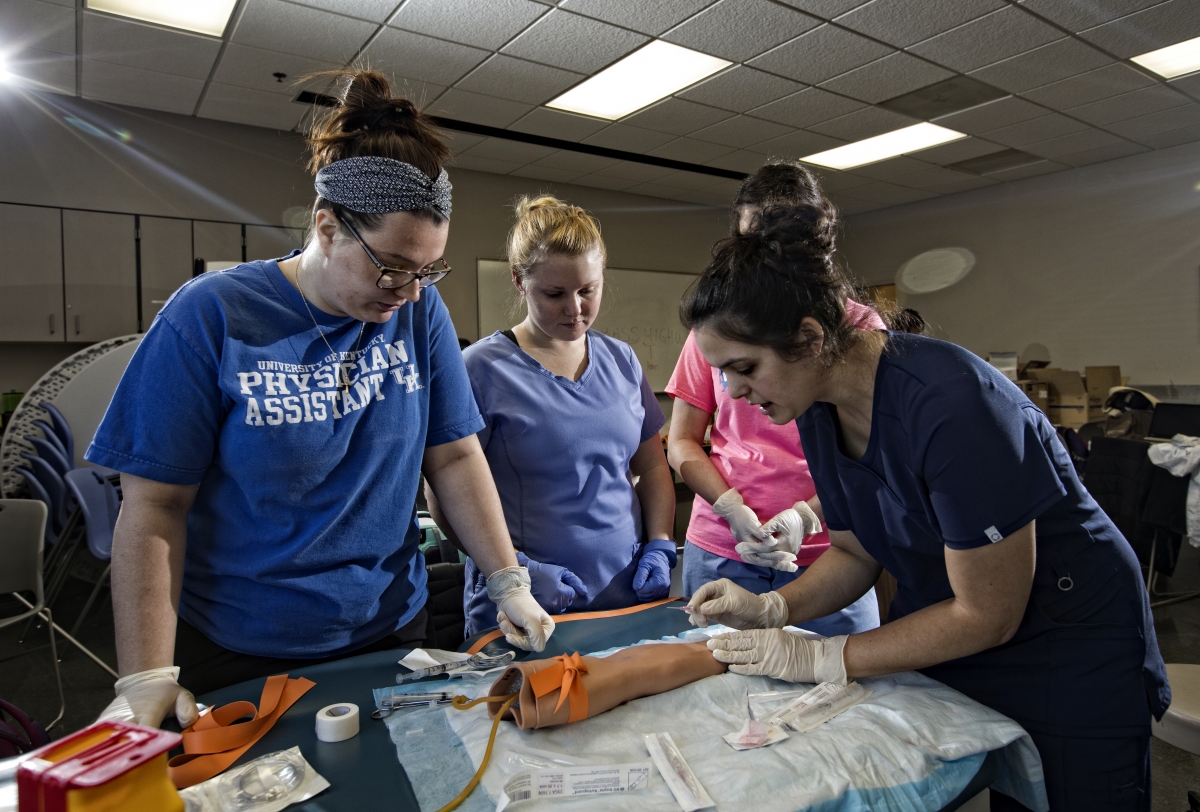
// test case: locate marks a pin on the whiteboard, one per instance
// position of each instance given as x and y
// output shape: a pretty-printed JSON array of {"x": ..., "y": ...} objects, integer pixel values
[{"x": 640, "y": 308}]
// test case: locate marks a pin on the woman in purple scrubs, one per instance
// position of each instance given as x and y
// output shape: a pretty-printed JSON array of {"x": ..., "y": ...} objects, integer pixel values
[{"x": 571, "y": 432}]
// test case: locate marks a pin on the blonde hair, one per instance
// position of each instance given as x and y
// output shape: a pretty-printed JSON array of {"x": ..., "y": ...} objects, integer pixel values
[{"x": 546, "y": 225}]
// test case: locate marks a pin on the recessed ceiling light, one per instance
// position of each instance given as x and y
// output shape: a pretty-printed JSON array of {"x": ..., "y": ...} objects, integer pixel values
[
  {"x": 202, "y": 16},
  {"x": 882, "y": 147},
  {"x": 645, "y": 76},
  {"x": 1174, "y": 60}
]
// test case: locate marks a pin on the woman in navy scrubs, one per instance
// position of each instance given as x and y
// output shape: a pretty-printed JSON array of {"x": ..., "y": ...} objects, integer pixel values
[{"x": 1014, "y": 587}]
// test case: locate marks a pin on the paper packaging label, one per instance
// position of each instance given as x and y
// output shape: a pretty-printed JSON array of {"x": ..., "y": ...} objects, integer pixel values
[
  {"x": 819, "y": 705},
  {"x": 566, "y": 782},
  {"x": 682, "y": 782}
]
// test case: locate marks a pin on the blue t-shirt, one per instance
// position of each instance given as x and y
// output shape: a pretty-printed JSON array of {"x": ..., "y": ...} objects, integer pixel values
[
  {"x": 302, "y": 540},
  {"x": 959, "y": 457},
  {"x": 559, "y": 451}
]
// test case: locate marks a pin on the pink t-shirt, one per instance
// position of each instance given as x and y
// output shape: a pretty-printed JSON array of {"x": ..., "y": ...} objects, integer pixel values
[{"x": 762, "y": 461}]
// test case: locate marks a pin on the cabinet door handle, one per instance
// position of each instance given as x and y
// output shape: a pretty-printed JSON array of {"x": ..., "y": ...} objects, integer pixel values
[
  {"x": 77, "y": 325},
  {"x": 51, "y": 324}
]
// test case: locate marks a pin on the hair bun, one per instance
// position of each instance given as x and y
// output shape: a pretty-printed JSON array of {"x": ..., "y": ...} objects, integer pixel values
[
  {"x": 815, "y": 227},
  {"x": 527, "y": 204}
]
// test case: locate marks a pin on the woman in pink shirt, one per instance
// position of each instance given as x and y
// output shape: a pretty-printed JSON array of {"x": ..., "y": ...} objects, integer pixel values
[{"x": 756, "y": 469}]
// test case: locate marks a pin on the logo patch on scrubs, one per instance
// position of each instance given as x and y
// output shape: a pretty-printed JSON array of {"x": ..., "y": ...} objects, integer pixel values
[{"x": 993, "y": 534}]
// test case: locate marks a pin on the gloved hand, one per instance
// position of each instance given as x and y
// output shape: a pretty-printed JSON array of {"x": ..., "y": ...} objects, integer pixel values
[
  {"x": 727, "y": 603},
  {"x": 653, "y": 577},
  {"x": 554, "y": 587},
  {"x": 522, "y": 619},
  {"x": 785, "y": 533},
  {"x": 779, "y": 654},
  {"x": 147, "y": 697},
  {"x": 742, "y": 521}
]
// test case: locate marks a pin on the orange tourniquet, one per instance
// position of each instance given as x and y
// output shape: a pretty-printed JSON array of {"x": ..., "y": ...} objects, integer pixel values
[
  {"x": 496, "y": 634},
  {"x": 564, "y": 675},
  {"x": 215, "y": 742}
]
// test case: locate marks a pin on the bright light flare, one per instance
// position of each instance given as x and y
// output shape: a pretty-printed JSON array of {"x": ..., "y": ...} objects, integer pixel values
[
  {"x": 202, "y": 16},
  {"x": 648, "y": 74},
  {"x": 882, "y": 147},
  {"x": 1174, "y": 60}
]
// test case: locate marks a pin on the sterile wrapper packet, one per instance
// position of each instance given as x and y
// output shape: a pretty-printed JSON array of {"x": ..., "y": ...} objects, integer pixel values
[
  {"x": 675, "y": 771},
  {"x": 266, "y": 784},
  {"x": 755, "y": 734},
  {"x": 817, "y": 706},
  {"x": 567, "y": 782}
]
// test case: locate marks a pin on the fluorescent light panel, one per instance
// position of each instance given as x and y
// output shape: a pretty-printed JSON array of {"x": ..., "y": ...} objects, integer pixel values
[
  {"x": 202, "y": 16},
  {"x": 645, "y": 76},
  {"x": 1174, "y": 60},
  {"x": 882, "y": 147}
]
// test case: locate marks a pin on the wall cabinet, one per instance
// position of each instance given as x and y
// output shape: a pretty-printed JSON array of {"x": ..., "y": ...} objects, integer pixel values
[
  {"x": 99, "y": 275},
  {"x": 31, "y": 282},
  {"x": 217, "y": 242},
  {"x": 166, "y": 261}
]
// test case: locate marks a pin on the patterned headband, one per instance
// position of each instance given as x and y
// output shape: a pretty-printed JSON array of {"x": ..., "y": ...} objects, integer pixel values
[{"x": 375, "y": 185}]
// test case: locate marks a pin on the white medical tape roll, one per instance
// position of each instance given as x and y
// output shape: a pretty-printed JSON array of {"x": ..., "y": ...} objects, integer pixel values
[{"x": 336, "y": 723}]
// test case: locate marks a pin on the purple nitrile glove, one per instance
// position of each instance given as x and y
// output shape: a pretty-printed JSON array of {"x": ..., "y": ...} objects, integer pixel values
[
  {"x": 554, "y": 587},
  {"x": 653, "y": 577}
]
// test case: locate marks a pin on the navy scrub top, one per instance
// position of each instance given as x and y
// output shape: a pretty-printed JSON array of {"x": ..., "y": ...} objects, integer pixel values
[{"x": 958, "y": 457}]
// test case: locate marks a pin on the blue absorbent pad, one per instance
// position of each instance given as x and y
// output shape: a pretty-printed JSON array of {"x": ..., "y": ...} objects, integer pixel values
[{"x": 914, "y": 744}]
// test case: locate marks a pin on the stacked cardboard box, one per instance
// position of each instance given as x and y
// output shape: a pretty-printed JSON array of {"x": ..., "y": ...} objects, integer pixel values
[
  {"x": 1099, "y": 381},
  {"x": 1068, "y": 397}
]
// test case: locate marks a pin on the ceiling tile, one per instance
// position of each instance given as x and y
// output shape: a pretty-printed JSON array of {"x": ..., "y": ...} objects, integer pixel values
[
  {"x": 460, "y": 141},
  {"x": 482, "y": 23},
  {"x": 740, "y": 89},
  {"x": 557, "y": 124},
  {"x": 493, "y": 165},
  {"x": 1078, "y": 15},
  {"x": 37, "y": 25},
  {"x": 865, "y": 123},
  {"x": 889, "y": 194},
  {"x": 121, "y": 84},
  {"x": 606, "y": 182},
  {"x": 833, "y": 180},
  {"x": 1172, "y": 138},
  {"x": 243, "y": 66},
  {"x": 798, "y": 144},
  {"x": 577, "y": 161},
  {"x": 43, "y": 70},
  {"x": 642, "y": 173},
  {"x": 547, "y": 173},
  {"x": 124, "y": 42},
  {"x": 1156, "y": 27},
  {"x": 1034, "y": 130},
  {"x": 1027, "y": 171},
  {"x": 67, "y": 3},
  {"x": 504, "y": 150},
  {"x": 1041, "y": 66},
  {"x": 960, "y": 150},
  {"x": 1101, "y": 154},
  {"x": 740, "y": 29},
  {"x": 809, "y": 106},
  {"x": 291, "y": 29},
  {"x": 741, "y": 131},
  {"x": 903, "y": 22},
  {"x": 1075, "y": 142},
  {"x": 704, "y": 198},
  {"x": 1160, "y": 122},
  {"x": 740, "y": 161},
  {"x": 690, "y": 150},
  {"x": 677, "y": 116},
  {"x": 942, "y": 181},
  {"x": 886, "y": 78},
  {"x": 1189, "y": 84},
  {"x": 988, "y": 39},
  {"x": 576, "y": 43},
  {"x": 630, "y": 139},
  {"x": 1129, "y": 105},
  {"x": 821, "y": 54},
  {"x": 247, "y": 106},
  {"x": 689, "y": 180},
  {"x": 849, "y": 205},
  {"x": 478, "y": 109},
  {"x": 891, "y": 168},
  {"x": 518, "y": 80},
  {"x": 825, "y": 9},
  {"x": 649, "y": 18},
  {"x": 1102, "y": 83},
  {"x": 992, "y": 116},
  {"x": 421, "y": 57},
  {"x": 376, "y": 11}
]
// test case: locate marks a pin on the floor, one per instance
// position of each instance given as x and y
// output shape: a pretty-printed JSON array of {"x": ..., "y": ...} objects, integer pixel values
[{"x": 28, "y": 681}]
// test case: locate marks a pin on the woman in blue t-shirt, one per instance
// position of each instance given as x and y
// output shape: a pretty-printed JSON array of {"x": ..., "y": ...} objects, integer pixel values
[
  {"x": 1014, "y": 587},
  {"x": 569, "y": 423}
]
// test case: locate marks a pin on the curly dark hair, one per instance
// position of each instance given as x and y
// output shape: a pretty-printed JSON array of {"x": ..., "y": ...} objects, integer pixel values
[
  {"x": 780, "y": 182},
  {"x": 761, "y": 284}
]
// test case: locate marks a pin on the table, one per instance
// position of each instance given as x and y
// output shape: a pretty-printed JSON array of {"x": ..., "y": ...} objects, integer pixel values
[{"x": 364, "y": 771}]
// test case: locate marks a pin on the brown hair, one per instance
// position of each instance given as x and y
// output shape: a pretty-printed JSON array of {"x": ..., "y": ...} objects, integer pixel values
[
  {"x": 546, "y": 225},
  {"x": 370, "y": 121}
]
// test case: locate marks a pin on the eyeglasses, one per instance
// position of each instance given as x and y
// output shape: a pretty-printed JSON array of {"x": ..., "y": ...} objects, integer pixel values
[{"x": 392, "y": 277}]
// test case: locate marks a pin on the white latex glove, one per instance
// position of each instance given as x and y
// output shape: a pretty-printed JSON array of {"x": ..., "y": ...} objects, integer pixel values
[
  {"x": 785, "y": 533},
  {"x": 148, "y": 697},
  {"x": 742, "y": 521},
  {"x": 522, "y": 619},
  {"x": 776, "y": 653},
  {"x": 727, "y": 603}
]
